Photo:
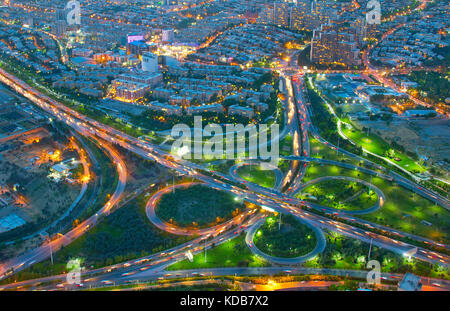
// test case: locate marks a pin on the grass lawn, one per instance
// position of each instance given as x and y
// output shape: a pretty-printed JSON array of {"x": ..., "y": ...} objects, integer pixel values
[
  {"x": 233, "y": 253},
  {"x": 291, "y": 239},
  {"x": 403, "y": 210},
  {"x": 255, "y": 174},
  {"x": 340, "y": 194},
  {"x": 284, "y": 165},
  {"x": 345, "y": 253},
  {"x": 286, "y": 146},
  {"x": 319, "y": 150},
  {"x": 197, "y": 206},
  {"x": 377, "y": 145}
]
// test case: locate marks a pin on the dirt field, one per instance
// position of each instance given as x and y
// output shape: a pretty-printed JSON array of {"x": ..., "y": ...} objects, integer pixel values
[
  {"x": 142, "y": 173},
  {"x": 432, "y": 137},
  {"x": 42, "y": 198}
]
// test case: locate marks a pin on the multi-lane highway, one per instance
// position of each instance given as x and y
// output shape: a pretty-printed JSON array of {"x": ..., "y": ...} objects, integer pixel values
[
  {"x": 295, "y": 173},
  {"x": 168, "y": 227},
  {"x": 265, "y": 197}
]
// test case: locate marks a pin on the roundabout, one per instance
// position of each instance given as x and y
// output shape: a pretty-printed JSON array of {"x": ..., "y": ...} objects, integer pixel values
[
  {"x": 319, "y": 247},
  {"x": 152, "y": 205},
  {"x": 378, "y": 204}
]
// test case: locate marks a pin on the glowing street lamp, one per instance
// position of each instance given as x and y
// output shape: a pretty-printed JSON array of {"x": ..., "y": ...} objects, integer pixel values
[{"x": 85, "y": 178}]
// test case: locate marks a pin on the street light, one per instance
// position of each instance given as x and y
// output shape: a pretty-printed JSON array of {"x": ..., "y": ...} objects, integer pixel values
[
  {"x": 205, "y": 249},
  {"x": 51, "y": 250}
]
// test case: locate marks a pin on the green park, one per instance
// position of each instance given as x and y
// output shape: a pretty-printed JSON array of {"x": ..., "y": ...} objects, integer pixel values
[
  {"x": 345, "y": 253},
  {"x": 287, "y": 239},
  {"x": 340, "y": 194},
  {"x": 231, "y": 253},
  {"x": 377, "y": 145},
  {"x": 254, "y": 174},
  {"x": 197, "y": 206},
  {"x": 403, "y": 210}
]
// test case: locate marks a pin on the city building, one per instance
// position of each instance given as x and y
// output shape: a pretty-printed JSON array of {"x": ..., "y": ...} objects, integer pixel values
[
  {"x": 217, "y": 108},
  {"x": 132, "y": 87},
  {"x": 150, "y": 62},
  {"x": 240, "y": 110},
  {"x": 168, "y": 109},
  {"x": 168, "y": 35},
  {"x": 82, "y": 52},
  {"x": 139, "y": 47},
  {"x": 60, "y": 28},
  {"x": 330, "y": 45}
]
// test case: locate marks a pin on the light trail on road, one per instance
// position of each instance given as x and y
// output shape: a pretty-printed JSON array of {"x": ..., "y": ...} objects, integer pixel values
[{"x": 270, "y": 198}]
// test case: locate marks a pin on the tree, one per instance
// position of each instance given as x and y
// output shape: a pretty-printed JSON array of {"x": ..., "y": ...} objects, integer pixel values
[{"x": 390, "y": 153}]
